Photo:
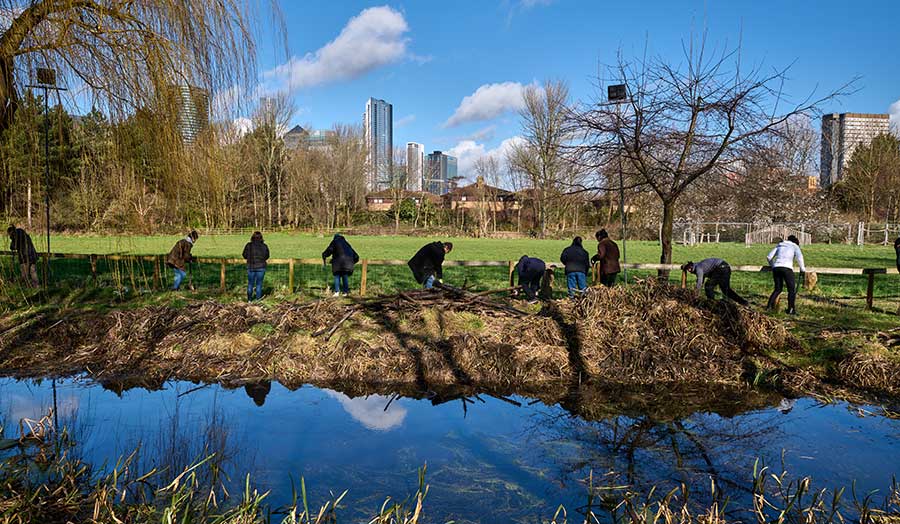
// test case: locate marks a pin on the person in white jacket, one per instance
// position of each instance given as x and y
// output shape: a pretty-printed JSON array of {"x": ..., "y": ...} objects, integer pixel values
[{"x": 781, "y": 260}]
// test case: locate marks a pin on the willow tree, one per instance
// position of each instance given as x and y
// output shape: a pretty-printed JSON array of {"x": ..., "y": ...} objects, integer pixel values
[
  {"x": 122, "y": 52},
  {"x": 684, "y": 121}
]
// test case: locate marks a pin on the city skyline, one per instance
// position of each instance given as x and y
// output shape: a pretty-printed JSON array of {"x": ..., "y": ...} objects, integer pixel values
[{"x": 457, "y": 89}]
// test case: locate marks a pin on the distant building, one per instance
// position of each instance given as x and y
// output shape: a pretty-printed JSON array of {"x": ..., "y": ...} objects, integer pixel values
[
  {"x": 841, "y": 135},
  {"x": 294, "y": 137},
  {"x": 384, "y": 200},
  {"x": 378, "y": 124},
  {"x": 314, "y": 139},
  {"x": 440, "y": 169},
  {"x": 191, "y": 106},
  {"x": 415, "y": 166},
  {"x": 481, "y": 196}
]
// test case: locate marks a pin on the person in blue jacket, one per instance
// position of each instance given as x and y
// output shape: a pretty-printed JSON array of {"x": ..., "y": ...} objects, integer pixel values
[{"x": 530, "y": 271}]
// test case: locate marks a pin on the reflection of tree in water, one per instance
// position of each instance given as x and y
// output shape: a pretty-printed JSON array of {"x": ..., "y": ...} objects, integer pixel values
[
  {"x": 185, "y": 437},
  {"x": 638, "y": 452}
]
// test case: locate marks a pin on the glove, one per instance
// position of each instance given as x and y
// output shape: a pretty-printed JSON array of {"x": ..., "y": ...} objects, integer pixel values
[{"x": 440, "y": 281}]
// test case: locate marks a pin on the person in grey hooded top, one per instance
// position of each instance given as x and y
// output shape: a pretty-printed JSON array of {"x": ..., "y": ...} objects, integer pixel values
[
  {"x": 781, "y": 260},
  {"x": 712, "y": 272}
]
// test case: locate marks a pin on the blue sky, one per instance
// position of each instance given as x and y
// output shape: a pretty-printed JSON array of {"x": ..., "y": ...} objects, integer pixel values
[{"x": 427, "y": 57}]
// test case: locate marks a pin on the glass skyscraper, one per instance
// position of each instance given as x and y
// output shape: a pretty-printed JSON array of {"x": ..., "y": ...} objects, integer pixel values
[
  {"x": 379, "y": 135},
  {"x": 439, "y": 171}
]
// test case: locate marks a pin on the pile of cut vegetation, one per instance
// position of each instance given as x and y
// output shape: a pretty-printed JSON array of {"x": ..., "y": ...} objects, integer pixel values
[{"x": 643, "y": 334}]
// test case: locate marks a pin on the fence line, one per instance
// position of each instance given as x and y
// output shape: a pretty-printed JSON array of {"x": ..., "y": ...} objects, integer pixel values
[{"x": 158, "y": 262}]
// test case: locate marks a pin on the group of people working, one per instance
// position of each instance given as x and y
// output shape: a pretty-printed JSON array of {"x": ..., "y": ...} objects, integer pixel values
[
  {"x": 715, "y": 272},
  {"x": 427, "y": 266}
]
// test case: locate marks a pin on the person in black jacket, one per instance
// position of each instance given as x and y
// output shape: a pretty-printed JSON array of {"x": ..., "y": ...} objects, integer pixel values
[
  {"x": 343, "y": 258},
  {"x": 897, "y": 251},
  {"x": 530, "y": 271},
  {"x": 24, "y": 248},
  {"x": 427, "y": 263},
  {"x": 256, "y": 253},
  {"x": 577, "y": 261}
]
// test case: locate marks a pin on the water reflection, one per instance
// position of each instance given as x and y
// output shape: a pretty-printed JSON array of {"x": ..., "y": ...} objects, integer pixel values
[
  {"x": 375, "y": 412},
  {"x": 517, "y": 457}
]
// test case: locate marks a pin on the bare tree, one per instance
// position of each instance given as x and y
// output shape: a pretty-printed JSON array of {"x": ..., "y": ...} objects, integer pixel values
[
  {"x": 396, "y": 182},
  {"x": 487, "y": 168},
  {"x": 270, "y": 123},
  {"x": 683, "y": 122},
  {"x": 541, "y": 155}
]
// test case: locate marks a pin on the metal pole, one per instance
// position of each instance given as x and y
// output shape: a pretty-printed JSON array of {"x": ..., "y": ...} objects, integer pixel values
[
  {"x": 622, "y": 206},
  {"x": 47, "y": 178}
]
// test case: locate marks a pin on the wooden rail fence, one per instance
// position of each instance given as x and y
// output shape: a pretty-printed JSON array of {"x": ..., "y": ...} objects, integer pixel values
[{"x": 158, "y": 262}]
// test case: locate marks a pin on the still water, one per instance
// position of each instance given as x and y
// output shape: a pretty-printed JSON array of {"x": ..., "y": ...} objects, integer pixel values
[{"x": 495, "y": 461}]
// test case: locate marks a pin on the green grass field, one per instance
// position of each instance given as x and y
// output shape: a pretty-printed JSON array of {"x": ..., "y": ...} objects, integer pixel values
[
  {"x": 290, "y": 245},
  {"x": 313, "y": 280}
]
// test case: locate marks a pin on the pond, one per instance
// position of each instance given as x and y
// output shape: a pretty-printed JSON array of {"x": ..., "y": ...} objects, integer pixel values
[{"x": 488, "y": 459}]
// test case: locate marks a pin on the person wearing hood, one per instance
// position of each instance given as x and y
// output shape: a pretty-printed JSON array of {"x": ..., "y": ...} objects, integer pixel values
[
  {"x": 180, "y": 256},
  {"x": 530, "y": 271},
  {"x": 607, "y": 258},
  {"x": 21, "y": 243},
  {"x": 781, "y": 260},
  {"x": 577, "y": 261},
  {"x": 343, "y": 259},
  {"x": 427, "y": 265},
  {"x": 256, "y": 253},
  {"x": 713, "y": 272}
]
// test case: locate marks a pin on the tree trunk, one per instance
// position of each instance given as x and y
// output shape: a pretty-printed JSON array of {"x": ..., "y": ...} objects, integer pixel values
[
  {"x": 8, "y": 99},
  {"x": 668, "y": 220}
]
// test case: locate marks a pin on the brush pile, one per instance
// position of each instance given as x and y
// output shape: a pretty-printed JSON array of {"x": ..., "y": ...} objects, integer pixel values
[{"x": 643, "y": 334}]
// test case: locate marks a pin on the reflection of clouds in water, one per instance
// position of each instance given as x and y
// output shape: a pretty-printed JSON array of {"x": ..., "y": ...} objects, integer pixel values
[
  {"x": 34, "y": 407},
  {"x": 369, "y": 411}
]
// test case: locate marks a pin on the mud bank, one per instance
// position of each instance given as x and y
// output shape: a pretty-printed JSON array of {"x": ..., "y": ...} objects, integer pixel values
[{"x": 646, "y": 335}]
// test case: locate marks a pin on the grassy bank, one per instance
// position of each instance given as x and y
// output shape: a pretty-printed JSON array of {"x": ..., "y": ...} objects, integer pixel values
[{"x": 637, "y": 336}]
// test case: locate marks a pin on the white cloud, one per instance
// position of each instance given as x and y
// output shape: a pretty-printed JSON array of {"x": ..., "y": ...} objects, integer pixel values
[
  {"x": 483, "y": 135},
  {"x": 894, "y": 110},
  {"x": 408, "y": 119},
  {"x": 487, "y": 102},
  {"x": 370, "y": 410},
  {"x": 372, "y": 39},
  {"x": 468, "y": 151}
]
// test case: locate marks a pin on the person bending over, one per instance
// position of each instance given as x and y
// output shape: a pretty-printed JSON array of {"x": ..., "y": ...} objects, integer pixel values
[
  {"x": 21, "y": 243},
  {"x": 343, "y": 260},
  {"x": 781, "y": 260},
  {"x": 530, "y": 271},
  {"x": 712, "y": 272},
  {"x": 180, "y": 256},
  {"x": 427, "y": 264}
]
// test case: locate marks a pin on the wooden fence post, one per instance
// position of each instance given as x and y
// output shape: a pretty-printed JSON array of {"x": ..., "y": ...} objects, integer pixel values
[
  {"x": 222, "y": 276},
  {"x": 683, "y": 279},
  {"x": 94, "y": 269},
  {"x": 870, "y": 292},
  {"x": 364, "y": 277},
  {"x": 157, "y": 281},
  {"x": 291, "y": 276},
  {"x": 512, "y": 267}
]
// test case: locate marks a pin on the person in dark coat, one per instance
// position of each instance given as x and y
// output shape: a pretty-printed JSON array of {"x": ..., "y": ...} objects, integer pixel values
[
  {"x": 258, "y": 391},
  {"x": 21, "y": 243},
  {"x": 607, "y": 257},
  {"x": 897, "y": 251},
  {"x": 180, "y": 256},
  {"x": 530, "y": 271},
  {"x": 427, "y": 263},
  {"x": 256, "y": 253},
  {"x": 343, "y": 258},
  {"x": 712, "y": 272},
  {"x": 577, "y": 261}
]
